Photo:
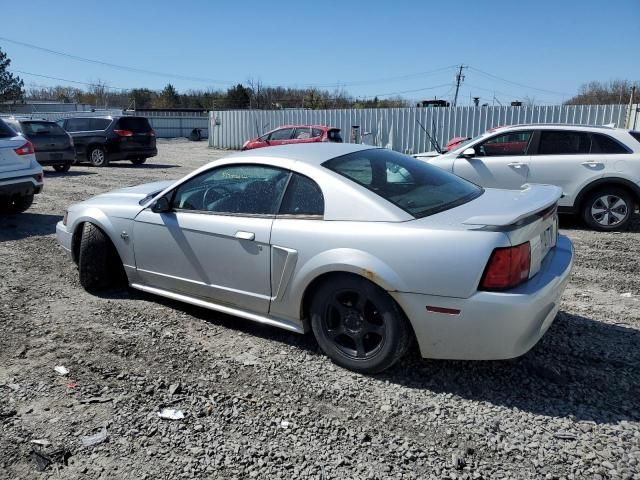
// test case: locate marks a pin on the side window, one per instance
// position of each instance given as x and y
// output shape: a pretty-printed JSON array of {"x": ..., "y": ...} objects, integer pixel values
[
  {"x": 316, "y": 132},
  {"x": 511, "y": 143},
  {"x": 563, "y": 142},
  {"x": 282, "y": 134},
  {"x": 234, "y": 189},
  {"x": 78, "y": 125},
  {"x": 302, "y": 133},
  {"x": 303, "y": 197},
  {"x": 605, "y": 144},
  {"x": 99, "y": 123}
]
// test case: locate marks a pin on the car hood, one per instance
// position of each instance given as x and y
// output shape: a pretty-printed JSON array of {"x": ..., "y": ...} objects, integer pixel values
[{"x": 124, "y": 202}]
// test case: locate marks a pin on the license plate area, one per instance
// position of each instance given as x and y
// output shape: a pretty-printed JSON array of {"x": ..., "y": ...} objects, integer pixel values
[{"x": 549, "y": 237}]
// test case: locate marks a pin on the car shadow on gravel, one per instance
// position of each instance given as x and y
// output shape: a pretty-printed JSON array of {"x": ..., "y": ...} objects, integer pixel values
[
  {"x": 23, "y": 225},
  {"x": 231, "y": 322},
  {"x": 582, "y": 369},
  {"x": 70, "y": 173},
  {"x": 144, "y": 166}
]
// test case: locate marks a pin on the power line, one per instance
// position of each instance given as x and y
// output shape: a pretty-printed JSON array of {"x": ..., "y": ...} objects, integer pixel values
[
  {"x": 70, "y": 81},
  {"x": 529, "y": 87},
  {"x": 113, "y": 65},
  {"x": 409, "y": 91},
  {"x": 214, "y": 81}
]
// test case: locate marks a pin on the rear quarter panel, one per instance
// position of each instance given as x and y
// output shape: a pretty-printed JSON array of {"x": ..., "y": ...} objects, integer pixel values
[{"x": 400, "y": 256}]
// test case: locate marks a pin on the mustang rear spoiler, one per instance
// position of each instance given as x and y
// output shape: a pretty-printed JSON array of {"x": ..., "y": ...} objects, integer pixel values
[{"x": 530, "y": 201}]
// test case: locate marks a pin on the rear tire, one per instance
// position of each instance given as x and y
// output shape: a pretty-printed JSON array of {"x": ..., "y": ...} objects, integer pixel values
[
  {"x": 358, "y": 325},
  {"x": 138, "y": 161},
  {"x": 62, "y": 168},
  {"x": 17, "y": 204},
  {"x": 99, "y": 264},
  {"x": 97, "y": 156},
  {"x": 608, "y": 209}
]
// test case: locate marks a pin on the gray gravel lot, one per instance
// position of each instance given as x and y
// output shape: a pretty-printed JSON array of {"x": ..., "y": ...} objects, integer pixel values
[{"x": 264, "y": 403}]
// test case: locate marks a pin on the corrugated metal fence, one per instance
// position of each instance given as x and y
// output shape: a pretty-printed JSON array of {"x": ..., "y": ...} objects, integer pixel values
[{"x": 398, "y": 128}]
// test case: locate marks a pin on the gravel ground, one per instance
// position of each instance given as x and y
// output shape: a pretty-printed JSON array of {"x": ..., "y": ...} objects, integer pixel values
[{"x": 264, "y": 403}]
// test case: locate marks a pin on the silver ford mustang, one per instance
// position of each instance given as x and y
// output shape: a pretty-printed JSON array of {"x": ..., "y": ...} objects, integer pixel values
[{"x": 366, "y": 247}]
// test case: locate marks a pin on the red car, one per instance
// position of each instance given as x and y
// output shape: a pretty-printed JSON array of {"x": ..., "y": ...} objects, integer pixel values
[{"x": 295, "y": 134}]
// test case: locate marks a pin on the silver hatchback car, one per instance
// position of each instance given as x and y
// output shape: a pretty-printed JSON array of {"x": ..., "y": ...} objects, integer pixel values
[{"x": 366, "y": 247}]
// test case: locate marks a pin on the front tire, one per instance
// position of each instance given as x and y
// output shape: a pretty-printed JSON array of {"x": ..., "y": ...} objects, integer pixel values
[
  {"x": 608, "y": 209},
  {"x": 358, "y": 325},
  {"x": 97, "y": 156},
  {"x": 99, "y": 265}
]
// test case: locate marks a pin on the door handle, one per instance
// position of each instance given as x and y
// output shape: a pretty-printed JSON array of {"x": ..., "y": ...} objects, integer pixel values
[
  {"x": 242, "y": 235},
  {"x": 517, "y": 164},
  {"x": 591, "y": 164}
]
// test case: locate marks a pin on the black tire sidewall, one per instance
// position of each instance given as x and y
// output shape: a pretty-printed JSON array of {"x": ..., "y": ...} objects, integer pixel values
[
  {"x": 21, "y": 204},
  {"x": 396, "y": 336},
  {"x": 138, "y": 161},
  {"x": 592, "y": 197},
  {"x": 93, "y": 259}
]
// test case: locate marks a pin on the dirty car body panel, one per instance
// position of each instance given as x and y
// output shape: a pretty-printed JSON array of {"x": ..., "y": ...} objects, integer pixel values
[{"x": 263, "y": 266}]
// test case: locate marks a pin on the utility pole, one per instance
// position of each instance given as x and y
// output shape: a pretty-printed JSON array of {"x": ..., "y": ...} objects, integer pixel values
[{"x": 459, "y": 79}]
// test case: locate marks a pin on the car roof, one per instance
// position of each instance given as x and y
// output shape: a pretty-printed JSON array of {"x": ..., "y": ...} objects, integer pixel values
[
  {"x": 309, "y": 153},
  {"x": 554, "y": 126},
  {"x": 324, "y": 127}
]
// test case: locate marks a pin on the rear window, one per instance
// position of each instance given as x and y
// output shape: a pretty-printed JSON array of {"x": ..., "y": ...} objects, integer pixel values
[
  {"x": 134, "y": 124},
  {"x": 42, "y": 128},
  {"x": 415, "y": 186},
  {"x": 335, "y": 135},
  {"x": 6, "y": 131},
  {"x": 605, "y": 144}
]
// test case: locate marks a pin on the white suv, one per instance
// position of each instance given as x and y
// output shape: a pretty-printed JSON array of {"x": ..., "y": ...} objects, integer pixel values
[
  {"x": 21, "y": 175},
  {"x": 598, "y": 168}
]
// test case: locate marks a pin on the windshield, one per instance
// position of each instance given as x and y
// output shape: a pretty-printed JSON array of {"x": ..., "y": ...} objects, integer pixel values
[{"x": 415, "y": 186}]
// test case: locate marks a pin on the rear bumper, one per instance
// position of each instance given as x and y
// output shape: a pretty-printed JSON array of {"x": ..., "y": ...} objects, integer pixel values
[
  {"x": 20, "y": 186},
  {"x": 133, "y": 153},
  {"x": 492, "y": 325},
  {"x": 56, "y": 158}
]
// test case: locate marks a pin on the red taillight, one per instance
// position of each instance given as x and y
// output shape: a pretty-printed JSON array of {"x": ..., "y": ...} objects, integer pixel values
[
  {"x": 25, "y": 149},
  {"x": 123, "y": 133},
  {"x": 507, "y": 267}
]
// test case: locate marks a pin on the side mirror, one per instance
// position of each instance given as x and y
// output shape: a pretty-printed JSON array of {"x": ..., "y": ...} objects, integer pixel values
[
  {"x": 161, "y": 205},
  {"x": 468, "y": 152}
]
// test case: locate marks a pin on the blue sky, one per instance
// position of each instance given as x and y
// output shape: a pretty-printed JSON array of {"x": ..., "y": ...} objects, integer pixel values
[{"x": 544, "y": 50}]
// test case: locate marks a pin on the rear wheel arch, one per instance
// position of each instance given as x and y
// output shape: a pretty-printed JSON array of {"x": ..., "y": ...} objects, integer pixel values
[
  {"x": 602, "y": 183},
  {"x": 390, "y": 344},
  {"x": 313, "y": 286}
]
